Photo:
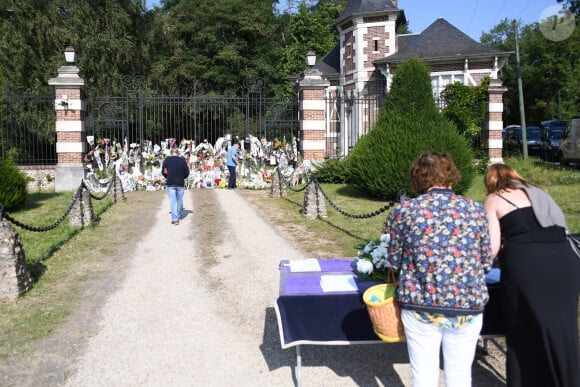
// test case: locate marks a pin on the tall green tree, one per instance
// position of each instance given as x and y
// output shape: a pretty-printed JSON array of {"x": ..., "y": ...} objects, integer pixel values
[
  {"x": 550, "y": 72},
  {"x": 572, "y": 5},
  {"x": 217, "y": 43},
  {"x": 466, "y": 107},
  {"x": 310, "y": 28},
  {"x": 107, "y": 35}
]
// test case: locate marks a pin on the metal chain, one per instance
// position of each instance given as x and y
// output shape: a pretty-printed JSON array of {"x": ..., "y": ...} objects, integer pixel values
[
  {"x": 110, "y": 183},
  {"x": 76, "y": 197},
  {"x": 288, "y": 184},
  {"x": 340, "y": 210},
  {"x": 355, "y": 216}
]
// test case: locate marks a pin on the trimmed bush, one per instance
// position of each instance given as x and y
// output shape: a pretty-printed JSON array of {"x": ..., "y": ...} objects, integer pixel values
[
  {"x": 408, "y": 125},
  {"x": 332, "y": 171},
  {"x": 12, "y": 185}
]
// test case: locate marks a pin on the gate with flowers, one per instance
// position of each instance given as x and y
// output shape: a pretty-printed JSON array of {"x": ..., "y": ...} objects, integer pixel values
[{"x": 141, "y": 117}]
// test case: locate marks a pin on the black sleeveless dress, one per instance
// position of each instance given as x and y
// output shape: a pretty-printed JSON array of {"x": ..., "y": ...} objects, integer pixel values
[{"x": 539, "y": 288}]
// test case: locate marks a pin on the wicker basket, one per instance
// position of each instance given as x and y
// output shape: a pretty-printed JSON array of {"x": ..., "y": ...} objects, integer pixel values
[{"x": 384, "y": 312}]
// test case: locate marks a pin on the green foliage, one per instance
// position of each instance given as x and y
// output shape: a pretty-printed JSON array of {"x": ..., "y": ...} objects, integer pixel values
[
  {"x": 13, "y": 188},
  {"x": 550, "y": 72},
  {"x": 310, "y": 28},
  {"x": 408, "y": 125},
  {"x": 411, "y": 92},
  {"x": 216, "y": 43},
  {"x": 108, "y": 36},
  {"x": 333, "y": 171},
  {"x": 466, "y": 107}
]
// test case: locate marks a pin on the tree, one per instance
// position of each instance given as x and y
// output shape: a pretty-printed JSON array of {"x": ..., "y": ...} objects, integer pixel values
[
  {"x": 572, "y": 5},
  {"x": 466, "y": 107},
  {"x": 106, "y": 34},
  {"x": 408, "y": 125},
  {"x": 550, "y": 72},
  {"x": 310, "y": 28},
  {"x": 217, "y": 43}
]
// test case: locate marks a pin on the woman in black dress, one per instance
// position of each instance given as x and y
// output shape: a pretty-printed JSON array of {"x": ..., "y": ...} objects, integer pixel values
[{"x": 540, "y": 281}]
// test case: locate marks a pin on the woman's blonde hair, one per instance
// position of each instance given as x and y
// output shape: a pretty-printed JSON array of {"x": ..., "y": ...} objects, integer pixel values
[
  {"x": 500, "y": 177},
  {"x": 433, "y": 169}
]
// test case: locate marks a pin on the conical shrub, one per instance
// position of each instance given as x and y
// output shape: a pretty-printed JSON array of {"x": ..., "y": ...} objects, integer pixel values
[{"x": 408, "y": 125}]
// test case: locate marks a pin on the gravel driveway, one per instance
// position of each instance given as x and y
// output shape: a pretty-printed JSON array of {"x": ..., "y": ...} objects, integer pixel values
[{"x": 188, "y": 314}]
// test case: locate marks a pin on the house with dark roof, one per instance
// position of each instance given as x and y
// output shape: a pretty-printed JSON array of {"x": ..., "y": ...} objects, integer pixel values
[{"x": 360, "y": 69}]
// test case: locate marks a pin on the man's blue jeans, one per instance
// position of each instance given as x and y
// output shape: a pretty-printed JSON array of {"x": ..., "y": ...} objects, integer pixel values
[
  {"x": 175, "y": 195},
  {"x": 232, "y": 179}
]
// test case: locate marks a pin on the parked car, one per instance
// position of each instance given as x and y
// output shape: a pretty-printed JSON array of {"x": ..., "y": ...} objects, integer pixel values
[
  {"x": 513, "y": 140},
  {"x": 570, "y": 143},
  {"x": 503, "y": 132},
  {"x": 551, "y": 142}
]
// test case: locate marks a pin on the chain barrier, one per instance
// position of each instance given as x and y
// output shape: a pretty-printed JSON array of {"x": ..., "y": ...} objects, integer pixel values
[
  {"x": 312, "y": 178},
  {"x": 111, "y": 183},
  {"x": 76, "y": 197},
  {"x": 288, "y": 185},
  {"x": 355, "y": 216}
]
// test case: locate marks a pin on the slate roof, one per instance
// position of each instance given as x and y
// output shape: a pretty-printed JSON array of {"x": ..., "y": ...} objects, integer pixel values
[
  {"x": 366, "y": 7},
  {"x": 329, "y": 65},
  {"x": 441, "y": 40}
]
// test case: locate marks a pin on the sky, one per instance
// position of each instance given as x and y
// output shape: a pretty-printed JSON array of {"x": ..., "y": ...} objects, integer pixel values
[
  {"x": 473, "y": 16},
  {"x": 470, "y": 16}
]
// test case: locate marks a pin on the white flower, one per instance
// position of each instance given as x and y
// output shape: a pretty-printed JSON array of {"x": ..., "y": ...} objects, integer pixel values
[
  {"x": 364, "y": 266},
  {"x": 369, "y": 247},
  {"x": 385, "y": 238},
  {"x": 379, "y": 253}
]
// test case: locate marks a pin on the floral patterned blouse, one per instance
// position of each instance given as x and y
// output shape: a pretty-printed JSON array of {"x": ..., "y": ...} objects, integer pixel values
[{"x": 439, "y": 243}]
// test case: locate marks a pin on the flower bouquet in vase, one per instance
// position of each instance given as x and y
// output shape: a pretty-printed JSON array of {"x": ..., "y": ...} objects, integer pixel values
[{"x": 383, "y": 309}]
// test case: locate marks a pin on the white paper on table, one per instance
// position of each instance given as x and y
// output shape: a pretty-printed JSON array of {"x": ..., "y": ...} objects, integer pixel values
[
  {"x": 338, "y": 283},
  {"x": 300, "y": 265}
]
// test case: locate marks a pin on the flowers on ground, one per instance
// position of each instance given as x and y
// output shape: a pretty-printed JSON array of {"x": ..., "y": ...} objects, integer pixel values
[{"x": 371, "y": 261}]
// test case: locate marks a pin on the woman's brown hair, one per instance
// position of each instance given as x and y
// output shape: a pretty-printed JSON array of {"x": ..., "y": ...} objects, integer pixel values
[
  {"x": 433, "y": 169},
  {"x": 500, "y": 177}
]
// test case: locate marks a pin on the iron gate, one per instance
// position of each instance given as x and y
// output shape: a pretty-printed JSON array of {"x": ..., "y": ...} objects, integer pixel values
[{"x": 139, "y": 116}]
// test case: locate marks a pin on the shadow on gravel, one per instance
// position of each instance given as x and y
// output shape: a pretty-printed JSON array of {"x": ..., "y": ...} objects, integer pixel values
[{"x": 367, "y": 365}]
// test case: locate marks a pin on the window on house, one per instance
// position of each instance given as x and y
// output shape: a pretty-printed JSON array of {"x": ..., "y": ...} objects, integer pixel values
[{"x": 376, "y": 45}]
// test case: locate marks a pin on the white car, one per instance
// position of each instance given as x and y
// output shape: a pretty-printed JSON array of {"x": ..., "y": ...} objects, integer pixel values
[{"x": 570, "y": 143}]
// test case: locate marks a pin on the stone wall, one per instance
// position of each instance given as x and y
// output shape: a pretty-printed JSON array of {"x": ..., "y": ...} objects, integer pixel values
[
  {"x": 41, "y": 177},
  {"x": 14, "y": 274}
]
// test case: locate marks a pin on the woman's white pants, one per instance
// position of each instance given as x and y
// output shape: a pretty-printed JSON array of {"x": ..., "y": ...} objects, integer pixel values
[{"x": 424, "y": 342}]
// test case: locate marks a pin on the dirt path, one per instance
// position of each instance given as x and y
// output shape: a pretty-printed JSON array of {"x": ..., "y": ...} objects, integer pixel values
[{"x": 192, "y": 305}]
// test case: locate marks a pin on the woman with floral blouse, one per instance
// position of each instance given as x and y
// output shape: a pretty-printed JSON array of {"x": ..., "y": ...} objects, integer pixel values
[{"x": 439, "y": 244}]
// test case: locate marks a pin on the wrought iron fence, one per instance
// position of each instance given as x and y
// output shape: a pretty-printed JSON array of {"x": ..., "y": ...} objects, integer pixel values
[
  {"x": 348, "y": 118},
  {"x": 27, "y": 125},
  {"x": 27, "y": 122},
  {"x": 138, "y": 117}
]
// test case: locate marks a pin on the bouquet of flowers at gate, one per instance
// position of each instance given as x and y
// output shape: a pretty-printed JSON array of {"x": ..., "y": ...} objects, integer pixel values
[{"x": 371, "y": 263}]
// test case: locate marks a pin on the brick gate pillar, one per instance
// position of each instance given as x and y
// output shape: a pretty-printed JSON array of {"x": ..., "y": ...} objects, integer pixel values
[
  {"x": 494, "y": 124},
  {"x": 71, "y": 141},
  {"x": 311, "y": 91}
]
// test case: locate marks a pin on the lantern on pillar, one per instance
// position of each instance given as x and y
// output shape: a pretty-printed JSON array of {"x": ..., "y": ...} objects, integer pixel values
[{"x": 69, "y": 54}]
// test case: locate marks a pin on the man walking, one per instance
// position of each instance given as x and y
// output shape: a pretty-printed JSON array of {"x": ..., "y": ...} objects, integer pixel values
[
  {"x": 232, "y": 163},
  {"x": 175, "y": 170}
]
